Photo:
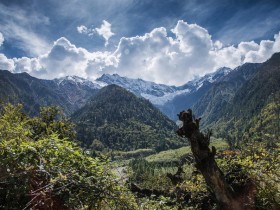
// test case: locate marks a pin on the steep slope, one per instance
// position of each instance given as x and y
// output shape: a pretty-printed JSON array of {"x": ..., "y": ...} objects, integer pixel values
[
  {"x": 222, "y": 92},
  {"x": 239, "y": 103},
  {"x": 33, "y": 92},
  {"x": 255, "y": 93},
  {"x": 119, "y": 120}
]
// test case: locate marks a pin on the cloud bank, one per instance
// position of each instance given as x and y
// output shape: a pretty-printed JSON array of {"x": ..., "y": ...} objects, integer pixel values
[{"x": 155, "y": 56}]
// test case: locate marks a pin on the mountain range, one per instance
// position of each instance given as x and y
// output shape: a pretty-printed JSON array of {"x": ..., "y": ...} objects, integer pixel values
[
  {"x": 221, "y": 98},
  {"x": 72, "y": 92}
]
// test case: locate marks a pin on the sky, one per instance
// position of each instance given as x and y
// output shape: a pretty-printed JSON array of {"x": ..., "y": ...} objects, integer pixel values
[{"x": 164, "y": 41}]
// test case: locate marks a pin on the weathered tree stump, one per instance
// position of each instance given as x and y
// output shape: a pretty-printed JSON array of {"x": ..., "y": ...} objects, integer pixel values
[{"x": 205, "y": 162}]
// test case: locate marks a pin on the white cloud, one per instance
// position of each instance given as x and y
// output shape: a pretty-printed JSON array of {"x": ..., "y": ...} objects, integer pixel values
[
  {"x": 155, "y": 56},
  {"x": 158, "y": 57},
  {"x": 1, "y": 39},
  {"x": 247, "y": 52},
  {"x": 64, "y": 59},
  {"x": 29, "y": 65},
  {"x": 105, "y": 31},
  {"x": 192, "y": 37},
  {"x": 82, "y": 29},
  {"x": 5, "y": 63}
]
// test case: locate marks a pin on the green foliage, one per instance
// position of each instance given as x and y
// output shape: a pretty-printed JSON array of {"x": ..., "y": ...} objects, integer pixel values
[
  {"x": 169, "y": 155},
  {"x": 52, "y": 120},
  {"x": 161, "y": 203},
  {"x": 190, "y": 194},
  {"x": 150, "y": 175},
  {"x": 253, "y": 163},
  {"x": 259, "y": 164},
  {"x": 266, "y": 125},
  {"x": 51, "y": 171}
]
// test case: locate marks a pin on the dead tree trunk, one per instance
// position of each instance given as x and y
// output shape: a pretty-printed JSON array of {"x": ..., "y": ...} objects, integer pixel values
[{"x": 206, "y": 164}]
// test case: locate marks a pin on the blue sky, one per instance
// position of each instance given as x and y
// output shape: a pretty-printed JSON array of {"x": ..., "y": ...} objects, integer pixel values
[{"x": 166, "y": 41}]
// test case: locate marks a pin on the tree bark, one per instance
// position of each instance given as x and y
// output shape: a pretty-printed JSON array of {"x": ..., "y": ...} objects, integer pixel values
[{"x": 206, "y": 164}]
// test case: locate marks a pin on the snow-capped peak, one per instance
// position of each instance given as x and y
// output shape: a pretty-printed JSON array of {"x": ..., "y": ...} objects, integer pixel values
[
  {"x": 210, "y": 77},
  {"x": 137, "y": 86},
  {"x": 79, "y": 81}
]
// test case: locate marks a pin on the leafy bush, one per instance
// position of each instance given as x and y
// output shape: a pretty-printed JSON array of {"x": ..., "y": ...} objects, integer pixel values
[{"x": 42, "y": 167}]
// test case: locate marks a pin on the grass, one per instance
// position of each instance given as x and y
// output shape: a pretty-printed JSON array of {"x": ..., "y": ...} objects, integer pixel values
[
  {"x": 175, "y": 154},
  {"x": 169, "y": 155}
]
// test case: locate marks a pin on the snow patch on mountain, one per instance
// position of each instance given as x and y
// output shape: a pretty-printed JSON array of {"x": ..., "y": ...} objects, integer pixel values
[
  {"x": 211, "y": 77},
  {"x": 165, "y": 98}
]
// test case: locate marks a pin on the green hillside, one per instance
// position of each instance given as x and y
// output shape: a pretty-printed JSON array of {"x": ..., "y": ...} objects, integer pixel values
[{"x": 118, "y": 120}]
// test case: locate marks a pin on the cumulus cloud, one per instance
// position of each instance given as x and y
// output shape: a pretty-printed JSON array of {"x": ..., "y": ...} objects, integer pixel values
[
  {"x": 246, "y": 52},
  {"x": 104, "y": 31},
  {"x": 158, "y": 57},
  {"x": 29, "y": 65},
  {"x": 1, "y": 39},
  {"x": 155, "y": 56},
  {"x": 63, "y": 59}
]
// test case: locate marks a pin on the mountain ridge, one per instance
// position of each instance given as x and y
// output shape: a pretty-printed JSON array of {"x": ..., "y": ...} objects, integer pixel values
[{"x": 34, "y": 93}]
